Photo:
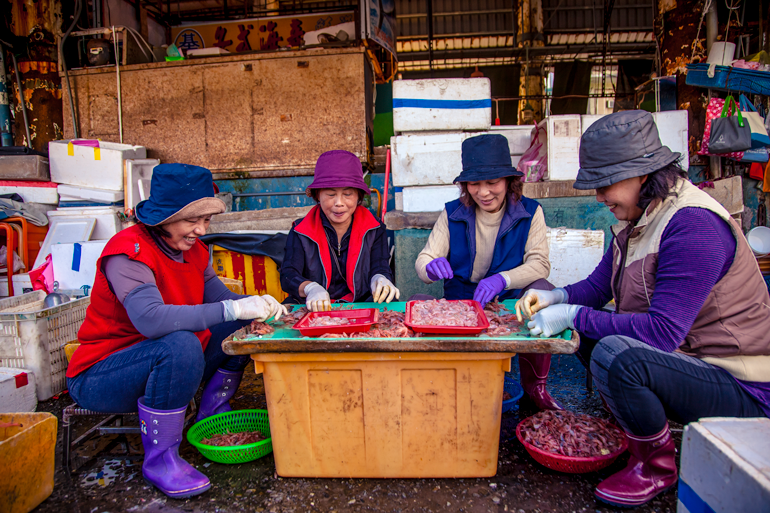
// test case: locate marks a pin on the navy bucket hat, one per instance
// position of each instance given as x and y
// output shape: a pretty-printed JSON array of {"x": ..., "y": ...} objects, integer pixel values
[
  {"x": 486, "y": 157},
  {"x": 620, "y": 146},
  {"x": 179, "y": 191}
]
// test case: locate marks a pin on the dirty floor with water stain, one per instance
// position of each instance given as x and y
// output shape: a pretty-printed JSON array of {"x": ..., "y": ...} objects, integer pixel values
[{"x": 110, "y": 483}]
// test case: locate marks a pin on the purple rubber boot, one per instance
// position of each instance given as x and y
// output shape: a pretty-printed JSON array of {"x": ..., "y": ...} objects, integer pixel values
[
  {"x": 216, "y": 396},
  {"x": 162, "y": 466}
]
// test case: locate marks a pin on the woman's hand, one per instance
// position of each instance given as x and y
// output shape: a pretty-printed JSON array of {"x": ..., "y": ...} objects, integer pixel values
[
  {"x": 488, "y": 288},
  {"x": 535, "y": 300},
  {"x": 383, "y": 289},
  {"x": 553, "y": 320},
  {"x": 259, "y": 308},
  {"x": 318, "y": 299},
  {"x": 439, "y": 269}
]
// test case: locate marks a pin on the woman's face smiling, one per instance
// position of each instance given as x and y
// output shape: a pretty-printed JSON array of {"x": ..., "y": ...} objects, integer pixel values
[
  {"x": 185, "y": 232},
  {"x": 489, "y": 195},
  {"x": 338, "y": 204},
  {"x": 622, "y": 198}
]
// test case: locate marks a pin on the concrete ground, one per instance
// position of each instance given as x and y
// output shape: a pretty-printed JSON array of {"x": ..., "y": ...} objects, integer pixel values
[{"x": 109, "y": 483}]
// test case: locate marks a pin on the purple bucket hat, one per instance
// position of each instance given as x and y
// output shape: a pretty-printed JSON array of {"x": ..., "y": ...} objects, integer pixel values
[{"x": 338, "y": 168}]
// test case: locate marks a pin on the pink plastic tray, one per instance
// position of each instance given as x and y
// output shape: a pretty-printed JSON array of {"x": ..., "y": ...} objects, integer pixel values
[
  {"x": 359, "y": 320},
  {"x": 483, "y": 323}
]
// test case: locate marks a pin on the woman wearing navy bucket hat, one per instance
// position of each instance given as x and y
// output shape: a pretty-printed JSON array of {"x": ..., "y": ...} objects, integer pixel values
[
  {"x": 690, "y": 335},
  {"x": 338, "y": 251},
  {"x": 154, "y": 328},
  {"x": 492, "y": 243}
]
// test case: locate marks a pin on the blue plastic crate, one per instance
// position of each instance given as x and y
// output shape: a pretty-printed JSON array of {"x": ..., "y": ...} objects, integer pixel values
[
  {"x": 512, "y": 386},
  {"x": 729, "y": 78}
]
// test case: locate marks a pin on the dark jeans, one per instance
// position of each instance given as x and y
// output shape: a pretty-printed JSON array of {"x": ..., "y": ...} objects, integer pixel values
[
  {"x": 166, "y": 371},
  {"x": 644, "y": 386}
]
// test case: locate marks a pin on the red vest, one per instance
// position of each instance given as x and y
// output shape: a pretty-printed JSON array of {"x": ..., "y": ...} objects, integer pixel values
[
  {"x": 312, "y": 227},
  {"x": 107, "y": 327}
]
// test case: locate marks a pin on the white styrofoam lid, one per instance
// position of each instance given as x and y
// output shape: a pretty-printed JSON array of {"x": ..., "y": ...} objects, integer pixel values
[{"x": 747, "y": 437}]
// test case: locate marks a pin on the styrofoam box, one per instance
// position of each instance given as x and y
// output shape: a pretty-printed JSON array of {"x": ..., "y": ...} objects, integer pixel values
[
  {"x": 82, "y": 167},
  {"x": 573, "y": 254},
  {"x": 63, "y": 266},
  {"x": 725, "y": 466},
  {"x": 428, "y": 199},
  {"x": 107, "y": 221},
  {"x": 564, "y": 134},
  {"x": 22, "y": 284},
  {"x": 31, "y": 192},
  {"x": 17, "y": 390},
  {"x": 442, "y": 104},
  {"x": 436, "y": 159},
  {"x": 74, "y": 193}
]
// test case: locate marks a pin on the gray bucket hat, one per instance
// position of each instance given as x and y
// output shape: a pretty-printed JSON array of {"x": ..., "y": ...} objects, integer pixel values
[{"x": 620, "y": 146}]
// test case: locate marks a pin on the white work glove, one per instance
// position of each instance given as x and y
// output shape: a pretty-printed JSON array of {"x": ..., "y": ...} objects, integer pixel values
[
  {"x": 259, "y": 308},
  {"x": 318, "y": 299},
  {"x": 535, "y": 300},
  {"x": 552, "y": 320},
  {"x": 383, "y": 289}
]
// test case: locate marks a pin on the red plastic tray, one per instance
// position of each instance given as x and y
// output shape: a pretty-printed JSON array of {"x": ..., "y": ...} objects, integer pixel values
[
  {"x": 483, "y": 323},
  {"x": 359, "y": 320}
]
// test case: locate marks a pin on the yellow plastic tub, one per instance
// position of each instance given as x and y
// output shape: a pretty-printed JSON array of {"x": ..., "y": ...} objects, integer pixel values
[
  {"x": 27, "y": 448},
  {"x": 406, "y": 415},
  {"x": 258, "y": 274}
]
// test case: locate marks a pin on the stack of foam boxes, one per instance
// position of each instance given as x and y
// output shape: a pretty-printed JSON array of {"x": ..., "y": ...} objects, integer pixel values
[{"x": 431, "y": 119}]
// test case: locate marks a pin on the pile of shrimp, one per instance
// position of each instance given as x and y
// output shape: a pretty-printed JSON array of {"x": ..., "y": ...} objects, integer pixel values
[
  {"x": 440, "y": 312},
  {"x": 328, "y": 320},
  {"x": 389, "y": 324},
  {"x": 259, "y": 328},
  {"x": 230, "y": 439},
  {"x": 571, "y": 434}
]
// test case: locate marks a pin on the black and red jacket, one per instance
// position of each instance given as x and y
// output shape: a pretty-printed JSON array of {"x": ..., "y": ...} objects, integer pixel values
[{"x": 363, "y": 252}]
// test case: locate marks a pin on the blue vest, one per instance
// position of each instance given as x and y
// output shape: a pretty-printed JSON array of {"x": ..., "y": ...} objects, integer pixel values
[{"x": 509, "y": 245}]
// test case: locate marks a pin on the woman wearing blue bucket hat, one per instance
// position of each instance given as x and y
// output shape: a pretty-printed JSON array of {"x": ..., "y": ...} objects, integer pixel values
[
  {"x": 338, "y": 251},
  {"x": 690, "y": 335},
  {"x": 154, "y": 329},
  {"x": 492, "y": 243}
]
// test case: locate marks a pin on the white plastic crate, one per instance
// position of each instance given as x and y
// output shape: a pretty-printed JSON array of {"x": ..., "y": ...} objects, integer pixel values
[
  {"x": 725, "y": 466},
  {"x": 17, "y": 390},
  {"x": 451, "y": 104},
  {"x": 85, "y": 166},
  {"x": 33, "y": 338}
]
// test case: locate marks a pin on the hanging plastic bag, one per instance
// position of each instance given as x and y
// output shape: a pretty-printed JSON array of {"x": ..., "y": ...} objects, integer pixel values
[
  {"x": 730, "y": 132},
  {"x": 17, "y": 263},
  {"x": 42, "y": 277},
  {"x": 534, "y": 162},
  {"x": 713, "y": 111},
  {"x": 759, "y": 137}
]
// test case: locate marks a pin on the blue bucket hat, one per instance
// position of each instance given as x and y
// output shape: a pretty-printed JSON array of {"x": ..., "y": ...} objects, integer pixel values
[
  {"x": 179, "y": 191},
  {"x": 486, "y": 157},
  {"x": 620, "y": 146}
]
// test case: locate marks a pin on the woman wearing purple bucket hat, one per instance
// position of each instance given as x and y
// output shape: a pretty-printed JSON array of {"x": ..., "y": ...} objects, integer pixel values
[
  {"x": 338, "y": 251},
  {"x": 690, "y": 335},
  {"x": 492, "y": 243}
]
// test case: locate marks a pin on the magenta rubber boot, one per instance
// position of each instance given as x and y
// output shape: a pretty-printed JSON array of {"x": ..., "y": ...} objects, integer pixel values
[
  {"x": 216, "y": 396},
  {"x": 534, "y": 374},
  {"x": 651, "y": 470},
  {"x": 162, "y": 466}
]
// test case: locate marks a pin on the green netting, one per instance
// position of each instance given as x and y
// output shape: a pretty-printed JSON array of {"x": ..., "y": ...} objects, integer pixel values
[{"x": 232, "y": 422}]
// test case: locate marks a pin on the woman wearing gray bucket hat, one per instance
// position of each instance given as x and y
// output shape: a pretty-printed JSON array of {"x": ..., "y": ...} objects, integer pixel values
[
  {"x": 153, "y": 331},
  {"x": 690, "y": 335},
  {"x": 338, "y": 251},
  {"x": 492, "y": 243}
]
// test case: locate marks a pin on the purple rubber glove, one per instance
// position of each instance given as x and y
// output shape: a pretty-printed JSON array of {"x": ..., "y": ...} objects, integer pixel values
[
  {"x": 439, "y": 269},
  {"x": 488, "y": 288}
]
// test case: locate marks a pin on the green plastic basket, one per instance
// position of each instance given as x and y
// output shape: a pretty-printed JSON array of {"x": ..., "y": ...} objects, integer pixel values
[{"x": 232, "y": 422}]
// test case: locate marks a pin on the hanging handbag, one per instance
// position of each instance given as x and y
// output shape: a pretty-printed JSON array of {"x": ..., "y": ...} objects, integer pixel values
[
  {"x": 760, "y": 155},
  {"x": 730, "y": 133},
  {"x": 713, "y": 111},
  {"x": 759, "y": 137}
]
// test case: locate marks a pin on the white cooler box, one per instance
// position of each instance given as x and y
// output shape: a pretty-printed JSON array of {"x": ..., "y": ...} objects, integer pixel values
[
  {"x": 428, "y": 199},
  {"x": 107, "y": 220},
  {"x": 451, "y": 104},
  {"x": 725, "y": 466},
  {"x": 436, "y": 159},
  {"x": 31, "y": 192},
  {"x": 17, "y": 390},
  {"x": 21, "y": 284},
  {"x": 85, "y": 166}
]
